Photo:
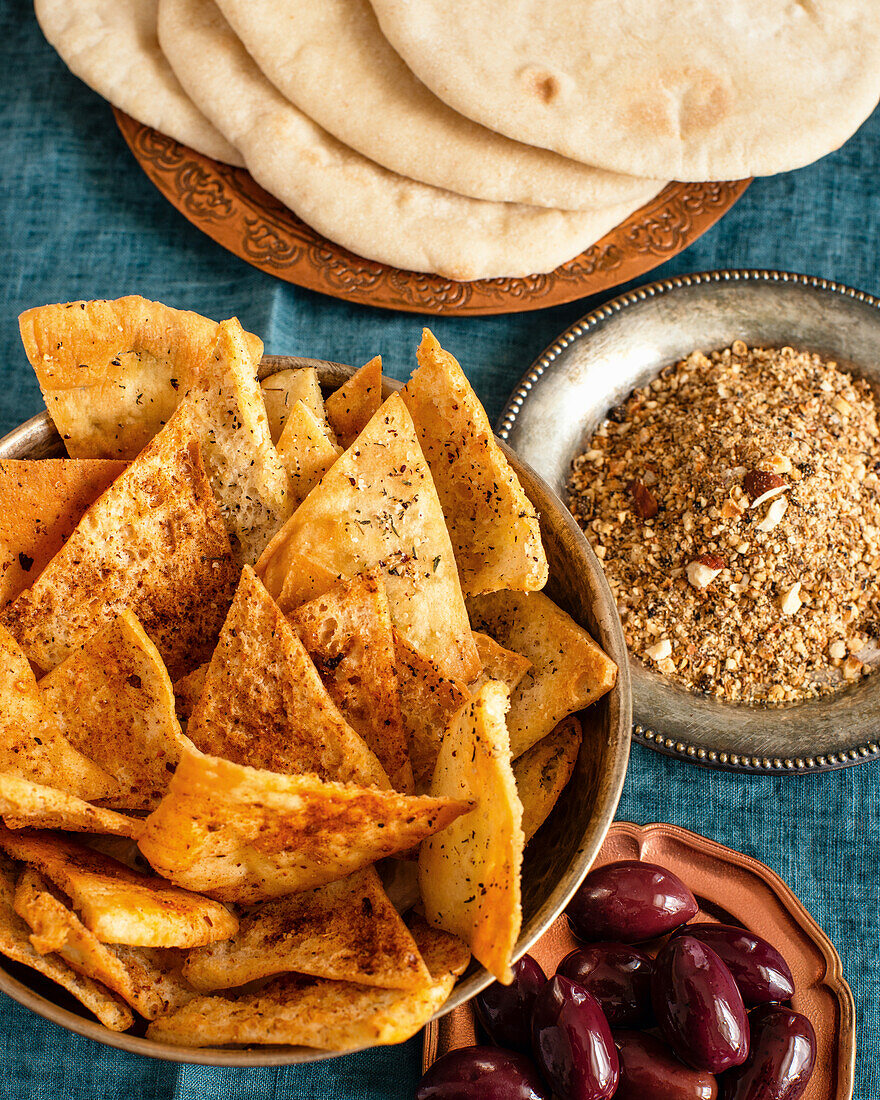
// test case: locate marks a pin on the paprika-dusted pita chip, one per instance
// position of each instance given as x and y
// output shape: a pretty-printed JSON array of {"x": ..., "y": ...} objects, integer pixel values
[
  {"x": 41, "y": 501},
  {"x": 499, "y": 663},
  {"x": 353, "y": 405},
  {"x": 346, "y": 930},
  {"x": 569, "y": 671},
  {"x": 155, "y": 543},
  {"x": 264, "y": 704},
  {"x": 349, "y": 636},
  {"x": 377, "y": 507},
  {"x": 284, "y": 388},
  {"x": 188, "y": 690},
  {"x": 246, "y": 835},
  {"x": 543, "y": 771},
  {"x": 113, "y": 372},
  {"x": 15, "y": 944},
  {"x": 469, "y": 875},
  {"x": 305, "y": 451},
  {"x": 24, "y": 805},
  {"x": 117, "y": 904},
  {"x": 494, "y": 528},
  {"x": 113, "y": 700}
]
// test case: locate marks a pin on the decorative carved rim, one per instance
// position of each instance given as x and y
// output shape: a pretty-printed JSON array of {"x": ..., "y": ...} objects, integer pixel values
[{"x": 226, "y": 204}]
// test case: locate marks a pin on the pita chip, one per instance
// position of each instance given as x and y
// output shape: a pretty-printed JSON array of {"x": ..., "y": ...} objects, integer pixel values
[
  {"x": 305, "y": 450},
  {"x": 543, "y": 772},
  {"x": 24, "y": 804},
  {"x": 499, "y": 663},
  {"x": 353, "y": 405},
  {"x": 284, "y": 388},
  {"x": 494, "y": 527},
  {"x": 245, "y": 835},
  {"x": 188, "y": 690}
]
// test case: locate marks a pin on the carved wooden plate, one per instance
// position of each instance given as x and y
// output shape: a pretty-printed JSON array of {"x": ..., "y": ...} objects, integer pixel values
[
  {"x": 236, "y": 212},
  {"x": 731, "y": 888}
]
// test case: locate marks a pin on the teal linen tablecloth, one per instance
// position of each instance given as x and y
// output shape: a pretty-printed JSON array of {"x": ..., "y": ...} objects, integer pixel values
[{"x": 79, "y": 220}]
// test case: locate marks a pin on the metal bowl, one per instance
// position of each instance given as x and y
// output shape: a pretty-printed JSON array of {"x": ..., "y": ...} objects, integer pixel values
[
  {"x": 593, "y": 366},
  {"x": 563, "y": 849}
]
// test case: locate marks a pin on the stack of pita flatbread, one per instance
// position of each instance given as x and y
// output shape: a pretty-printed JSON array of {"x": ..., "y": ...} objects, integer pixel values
[{"x": 480, "y": 141}]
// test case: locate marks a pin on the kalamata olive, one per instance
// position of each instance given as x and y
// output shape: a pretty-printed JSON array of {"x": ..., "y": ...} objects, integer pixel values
[
  {"x": 505, "y": 1011},
  {"x": 698, "y": 1006},
  {"x": 757, "y": 967},
  {"x": 572, "y": 1042},
  {"x": 781, "y": 1059},
  {"x": 482, "y": 1073},
  {"x": 618, "y": 976},
  {"x": 649, "y": 1069},
  {"x": 630, "y": 902}
]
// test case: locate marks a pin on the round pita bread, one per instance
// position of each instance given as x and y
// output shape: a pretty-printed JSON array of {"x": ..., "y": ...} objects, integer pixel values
[
  {"x": 691, "y": 90},
  {"x": 331, "y": 60},
  {"x": 112, "y": 46},
  {"x": 349, "y": 199}
]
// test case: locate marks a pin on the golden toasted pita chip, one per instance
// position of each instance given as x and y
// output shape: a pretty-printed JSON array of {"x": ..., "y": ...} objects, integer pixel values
[
  {"x": 377, "y": 507},
  {"x": 118, "y": 904},
  {"x": 264, "y": 704},
  {"x": 354, "y": 404},
  {"x": 41, "y": 501},
  {"x": 31, "y": 744},
  {"x": 113, "y": 700},
  {"x": 427, "y": 702},
  {"x": 346, "y": 930},
  {"x": 349, "y": 636},
  {"x": 284, "y": 388},
  {"x": 469, "y": 875},
  {"x": 494, "y": 527},
  {"x": 15, "y": 944},
  {"x": 188, "y": 690},
  {"x": 317, "y": 1013},
  {"x": 113, "y": 372},
  {"x": 499, "y": 663},
  {"x": 24, "y": 805},
  {"x": 569, "y": 671},
  {"x": 246, "y": 835},
  {"x": 542, "y": 773},
  {"x": 305, "y": 451},
  {"x": 148, "y": 978},
  {"x": 155, "y": 543}
]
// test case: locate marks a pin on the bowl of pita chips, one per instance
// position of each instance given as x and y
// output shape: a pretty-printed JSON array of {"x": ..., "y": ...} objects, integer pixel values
[{"x": 314, "y": 707}]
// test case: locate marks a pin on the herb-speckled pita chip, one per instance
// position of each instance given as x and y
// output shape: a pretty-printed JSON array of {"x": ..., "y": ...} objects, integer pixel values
[
  {"x": 306, "y": 451},
  {"x": 543, "y": 771},
  {"x": 353, "y": 405},
  {"x": 499, "y": 663},
  {"x": 284, "y": 388},
  {"x": 24, "y": 804}
]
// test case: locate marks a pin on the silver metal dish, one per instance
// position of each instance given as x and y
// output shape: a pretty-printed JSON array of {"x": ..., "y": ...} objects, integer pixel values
[
  {"x": 624, "y": 344},
  {"x": 563, "y": 849}
]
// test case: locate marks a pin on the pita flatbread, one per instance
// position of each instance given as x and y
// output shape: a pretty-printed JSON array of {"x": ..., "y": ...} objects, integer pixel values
[
  {"x": 41, "y": 501},
  {"x": 155, "y": 543},
  {"x": 284, "y": 388},
  {"x": 112, "y": 46},
  {"x": 24, "y": 804},
  {"x": 542, "y": 773},
  {"x": 113, "y": 372},
  {"x": 305, "y": 450},
  {"x": 494, "y": 527},
  {"x": 246, "y": 835},
  {"x": 569, "y": 671},
  {"x": 353, "y": 405},
  {"x": 264, "y": 704},
  {"x": 377, "y": 507}
]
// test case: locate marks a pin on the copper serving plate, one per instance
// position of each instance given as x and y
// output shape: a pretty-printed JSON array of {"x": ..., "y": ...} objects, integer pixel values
[
  {"x": 731, "y": 888},
  {"x": 226, "y": 204}
]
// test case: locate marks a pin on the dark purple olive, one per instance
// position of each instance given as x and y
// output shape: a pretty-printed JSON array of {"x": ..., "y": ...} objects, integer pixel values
[
  {"x": 572, "y": 1042},
  {"x": 482, "y": 1073},
  {"x": 698, "y": 1006},
  {"x": 618, "y": 976},
  {"x": 649, "y": 1069},
  {"x": 757, "y": 967},
  {"x": 781, "y": 1059},
  {"x": 630, "y": 902},
  {"x": 505, "y": 1011}
]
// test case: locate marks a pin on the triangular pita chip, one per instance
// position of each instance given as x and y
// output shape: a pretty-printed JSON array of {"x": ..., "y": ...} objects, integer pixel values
[
  {"x": 188, "y": 690},
  {"x": 264, "y": 704},
  {"x": 148, "y": 978},
  {"x": 346, "y": 931},
  {"x": 15, "y": 944},
  {"x": 494, "y": 527},
  {"x": 246, "y": 835},
  {"x": 284, "y": 388},
  {"x": 469, "y": 875},
  {"x": 542, "y": 773},
  {"x": 155, "y": 543},
  {"x": 569, "y": 671},
  {"x": 31, "y": 744},
  {"x": 499, "y": 663},
  {"x": 353, "y": 405},
  {"x": 377, "y": 507},
  {"x": 117, "y": 904},
  {"x": 305, "y": 451},
  {"x": 349, "y": 636},
  {"x": 113, "y": 700},
  {"x": 113, "y": 372},
  {"x": 24, "y": 805},
  {"x": 41, "y": 501}
]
